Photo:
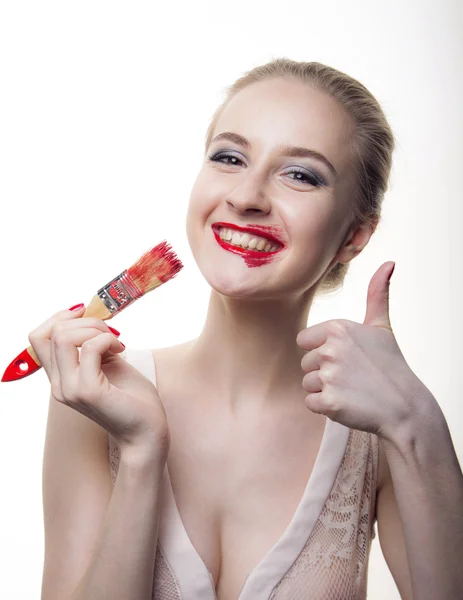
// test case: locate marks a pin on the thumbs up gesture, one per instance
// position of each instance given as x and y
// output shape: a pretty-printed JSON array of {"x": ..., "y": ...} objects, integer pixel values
[{"x": 356, "y": 374}]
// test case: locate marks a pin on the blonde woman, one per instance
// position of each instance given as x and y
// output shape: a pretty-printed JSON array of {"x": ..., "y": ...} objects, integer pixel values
[{"x": 252, "y": 462}]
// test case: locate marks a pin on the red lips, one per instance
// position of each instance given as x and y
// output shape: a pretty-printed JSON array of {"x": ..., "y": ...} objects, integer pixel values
[{"x": 252, "y": 258}]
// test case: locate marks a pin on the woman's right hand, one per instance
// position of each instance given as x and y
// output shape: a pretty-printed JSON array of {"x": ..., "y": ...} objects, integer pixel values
[{"x": 101, "y": 385}]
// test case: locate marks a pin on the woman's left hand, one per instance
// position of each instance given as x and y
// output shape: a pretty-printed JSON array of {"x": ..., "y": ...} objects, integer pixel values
[{"x": 356, "y": 373}]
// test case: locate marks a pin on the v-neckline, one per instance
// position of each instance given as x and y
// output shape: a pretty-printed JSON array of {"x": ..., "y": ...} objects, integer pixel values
[{"x": 192, "y": 574}]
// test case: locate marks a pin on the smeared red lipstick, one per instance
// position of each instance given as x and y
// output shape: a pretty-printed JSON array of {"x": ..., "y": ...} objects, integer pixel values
[{"x": 252, "y": 258}]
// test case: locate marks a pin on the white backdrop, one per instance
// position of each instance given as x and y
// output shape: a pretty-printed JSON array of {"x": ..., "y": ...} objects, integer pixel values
[{"x": 103, "y": 111}]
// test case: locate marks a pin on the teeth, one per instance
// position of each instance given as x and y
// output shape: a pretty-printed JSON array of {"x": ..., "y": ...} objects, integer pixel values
[
  {"x": 245, "y": 240},
  {"x": 236, "y": 239}
]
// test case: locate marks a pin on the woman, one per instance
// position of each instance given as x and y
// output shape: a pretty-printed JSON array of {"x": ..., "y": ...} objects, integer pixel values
[{"x": 263, "y": 495}]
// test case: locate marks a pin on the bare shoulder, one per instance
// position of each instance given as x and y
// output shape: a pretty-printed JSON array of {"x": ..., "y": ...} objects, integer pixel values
[
  {"x": 167, "y": 361},
  {"x": 170, "y": 354}
]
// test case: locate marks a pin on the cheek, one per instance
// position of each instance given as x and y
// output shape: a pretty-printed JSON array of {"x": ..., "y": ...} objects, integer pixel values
[
  {"x": 191, "y": 221},
  {"x": 310, "y": 228},
  {"x": 204, "y": 199},
  {"x": 198, "y": 210}
]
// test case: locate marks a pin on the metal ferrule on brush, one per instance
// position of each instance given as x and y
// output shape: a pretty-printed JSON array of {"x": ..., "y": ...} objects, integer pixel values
[{"x": 119, "y": 293}]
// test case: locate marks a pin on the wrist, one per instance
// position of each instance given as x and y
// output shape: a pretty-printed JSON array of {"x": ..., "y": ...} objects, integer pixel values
[
  {"x": 145, "y": 457},
  {"x": 421, "y": 424}
]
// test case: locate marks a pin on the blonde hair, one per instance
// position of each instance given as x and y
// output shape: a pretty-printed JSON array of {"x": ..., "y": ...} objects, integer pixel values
[{"x": 372, "y": 146}]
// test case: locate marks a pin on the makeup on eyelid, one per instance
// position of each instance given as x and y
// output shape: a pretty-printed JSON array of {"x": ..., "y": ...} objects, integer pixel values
[{"x": 312, "y": 177}]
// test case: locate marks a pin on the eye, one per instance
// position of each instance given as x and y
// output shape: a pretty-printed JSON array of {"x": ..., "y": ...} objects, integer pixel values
[
  {"x": 306, "y": 177},
  {"x": 301, "y": 175},
  {"x": 221, "y": 155}
]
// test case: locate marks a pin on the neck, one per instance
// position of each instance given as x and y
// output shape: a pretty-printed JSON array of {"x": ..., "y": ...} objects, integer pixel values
[{"x": 247, "y": 351}]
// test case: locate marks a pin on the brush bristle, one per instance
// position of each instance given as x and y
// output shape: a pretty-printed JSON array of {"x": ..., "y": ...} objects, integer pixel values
[{"x": 155, "y": 267}]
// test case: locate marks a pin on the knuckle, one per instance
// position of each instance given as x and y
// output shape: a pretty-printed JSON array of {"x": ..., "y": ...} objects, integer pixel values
[
  {"x": 58, "y": 327},
  {"x": 338, "y": 328},
  {"x": 327, "y": 353},
  {"x": 59, "y": 338},
  {"x": 96, "y": 323},
  {"x": 88, "y": 345},
  {"x": 58, "y": 332},
  {"x": 327, "y": 374},
  {"x": 85, "y": 346}
]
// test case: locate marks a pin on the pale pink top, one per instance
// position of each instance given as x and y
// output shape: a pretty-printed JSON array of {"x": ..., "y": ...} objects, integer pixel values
[{"x": 323, "y": 553}]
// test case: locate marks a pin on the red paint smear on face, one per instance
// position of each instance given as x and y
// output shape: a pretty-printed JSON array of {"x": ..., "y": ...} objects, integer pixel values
[
  {"x": 251, "y": 261},
  {"x": 257, "y": 261}
]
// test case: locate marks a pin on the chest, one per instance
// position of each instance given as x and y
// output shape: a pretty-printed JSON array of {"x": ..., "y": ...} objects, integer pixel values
[{"x": 237, "y": 483}]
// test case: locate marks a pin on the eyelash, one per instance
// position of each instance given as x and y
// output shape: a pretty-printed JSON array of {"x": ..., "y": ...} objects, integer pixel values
[{"x": 312, "y": 179}]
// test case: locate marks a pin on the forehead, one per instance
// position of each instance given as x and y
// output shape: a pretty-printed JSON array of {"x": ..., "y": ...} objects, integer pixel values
[{"x": 286, "y": 111}]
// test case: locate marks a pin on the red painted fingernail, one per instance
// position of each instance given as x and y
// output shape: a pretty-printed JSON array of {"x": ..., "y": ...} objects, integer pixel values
[
  {"x": 389, "y": 278},
  {"x": 116, "y": 333},
  {"x": 77, "y": 306},
  {"x": 122, "y": 344}
]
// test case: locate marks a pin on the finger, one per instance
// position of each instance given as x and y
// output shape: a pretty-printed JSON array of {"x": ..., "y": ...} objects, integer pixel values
[
  {"x": 315, "y": 403},
  {"x": 39, "y": 338},
  {"x": 316, "y": 335},
  {"x": 91, "y": 322},
  {"x": 91, "y": 355},
  {"x": 310, "y": 361},
  {"x": 312, "y": 337},
  {"x": 62, "y": 332},
  {"x": 43, "y": 331},
  {"x": 311, "y": 382},
  {"x": 66, "y": 342},
  {"x": 61, "y": 344}
]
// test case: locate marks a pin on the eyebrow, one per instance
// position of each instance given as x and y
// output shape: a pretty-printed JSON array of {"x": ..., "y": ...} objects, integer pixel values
[{"x": 293, "y": 151}]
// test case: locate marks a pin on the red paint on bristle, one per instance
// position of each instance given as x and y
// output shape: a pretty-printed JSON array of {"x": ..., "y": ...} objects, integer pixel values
[{"x": 159, "y": 262}]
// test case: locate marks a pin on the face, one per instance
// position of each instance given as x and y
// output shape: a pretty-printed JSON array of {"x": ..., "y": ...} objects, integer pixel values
[{"x": 252, "y": 182}]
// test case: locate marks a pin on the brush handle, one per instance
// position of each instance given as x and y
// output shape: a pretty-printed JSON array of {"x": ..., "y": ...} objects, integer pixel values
[
  {"x": 108, "y": 301},
  {"x": 27, "y": 362}
]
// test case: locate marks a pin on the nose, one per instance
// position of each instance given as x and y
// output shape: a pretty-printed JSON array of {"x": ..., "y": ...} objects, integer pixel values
[{"x": 249, "y": 196}]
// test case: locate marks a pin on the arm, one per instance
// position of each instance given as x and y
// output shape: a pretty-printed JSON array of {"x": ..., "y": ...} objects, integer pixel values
[
  {"x": 428, "y": 484},
  {"x": 390, "y": 529},
  {"x": 122, "y": 565}
]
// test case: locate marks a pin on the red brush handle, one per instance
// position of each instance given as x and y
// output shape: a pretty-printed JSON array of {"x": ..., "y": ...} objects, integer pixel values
[
  {"x": 27, "y": 362},
  {"x": 22, "y": 366}
]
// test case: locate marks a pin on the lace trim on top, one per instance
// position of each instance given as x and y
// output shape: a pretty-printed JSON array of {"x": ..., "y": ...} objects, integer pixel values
[{"x": 334, "y": 562}]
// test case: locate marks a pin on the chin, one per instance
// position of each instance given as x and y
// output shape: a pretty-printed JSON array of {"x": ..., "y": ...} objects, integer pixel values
[
  {"x": 240, "y": 286},
  {"x": 228, "y": 283}
]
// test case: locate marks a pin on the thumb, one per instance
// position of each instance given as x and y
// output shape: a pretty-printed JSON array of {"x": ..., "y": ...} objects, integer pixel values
[{"x": 377, "y": 313}]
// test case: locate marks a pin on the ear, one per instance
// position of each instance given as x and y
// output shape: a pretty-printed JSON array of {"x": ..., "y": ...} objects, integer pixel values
[{"x": 355, "y": 241}]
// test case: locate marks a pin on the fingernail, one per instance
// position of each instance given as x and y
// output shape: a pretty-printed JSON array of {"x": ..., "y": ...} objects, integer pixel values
[
  {"x": 77, "y": 306},
  {"x": 389, "y": 278},
  {"x": 122, "y": 344},
  {"x": 116, "y": 333}
]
